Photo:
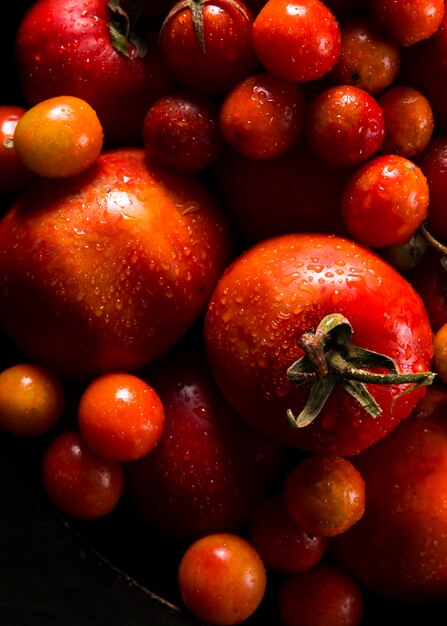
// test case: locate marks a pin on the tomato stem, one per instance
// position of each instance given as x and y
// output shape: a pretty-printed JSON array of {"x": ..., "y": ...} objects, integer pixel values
[
  {"x": 432, "y": 241},
  {"x": 331, "y": 358}
]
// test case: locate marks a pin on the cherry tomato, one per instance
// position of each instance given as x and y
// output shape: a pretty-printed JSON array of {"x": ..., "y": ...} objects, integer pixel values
[
  {"x": 324, "y": 595},
  {"x": 440, "y": 355},
  {"x": 207, "y": 45},
  {"x": 385, "y": 201},
  {"x": 14, "y": 175},
  {"x": 409, "y": 121},
  {"x": 59, "y": 137},
  {"x": 120, "y": 416},
  {"x": 256, "y": 327},
  {"x": 407, "y": 22},
  {"x": 344, "y": 125},
  {"x": 222, "y": 579},
  {"x": 31, "y": 399},
  {"x": 263, "y": 116},
  {"x": 181, "y": 132},
  {"x": 367, "y": 60},
  {"x": 282, "y": 544},
  {"x": 324, "y": 495},
  {"x": 433, "y": 163},
  {"x": 297, "y": 40},
  {"x": 78, "y": 481}
]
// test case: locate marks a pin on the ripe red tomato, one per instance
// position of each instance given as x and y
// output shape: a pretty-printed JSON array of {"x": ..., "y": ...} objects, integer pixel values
[
  {"x": 78, "y": 481},
  {"x": 209, "y": 469},
  {"x": 297, "y": 40},
  {"x": 207, "y": 45},
  {"x": 399, "y": 547},
  {"x": 407, "y": 22},
  {"x": 64, "y": 47},
  {"x": 222, "y": 579},
  {"x": 265, "y": 303},
  {"x": 105, "y": 271}
]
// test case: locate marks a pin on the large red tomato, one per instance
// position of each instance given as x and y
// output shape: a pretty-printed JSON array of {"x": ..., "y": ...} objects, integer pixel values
[
  {"x": 265, "y": 303},
  {"x": 106, "y": 270},
  {"x": 79, "y": 48}
]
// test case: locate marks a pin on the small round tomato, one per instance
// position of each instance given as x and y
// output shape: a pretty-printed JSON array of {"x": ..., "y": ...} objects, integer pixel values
[
  {"x": 407, "y": 22},
  {"x": 31, "y": 399},
  {"x": 207, "y": 45},
  {"x": 181, "y": 132},
  {"x": 367, "y": 59},
  {"x": 297, "y": 40},
  {"x": 282, "y": 544},
  {"x": 324, "y": 495},
  {"x": 120, "y": 416},
  {"x": 433, "y": 163},
  {"x": 324, "y": 595},
  {"x": 222, "y": 579},
  {"x": 14, "y": 175},
  {"x": 344, "y": 125},
  {"x": 78, "y": 481},
  {"x": 263, "y": 116},
  {"x": 385, "y": 201},
  {"x": 409, "y": 121},
  {"x": 59, "y": 137}
]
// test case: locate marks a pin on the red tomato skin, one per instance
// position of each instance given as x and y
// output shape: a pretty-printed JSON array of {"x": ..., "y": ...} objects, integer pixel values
[
  {"x": 399, "y": 548},
  {"x": 208, "y": 469},
  {"x": 105, "y": 271},
  {"x": 273, "y": 293},
  {"x": 63, "y": 47},
  {"x": 297, "y": 40}
]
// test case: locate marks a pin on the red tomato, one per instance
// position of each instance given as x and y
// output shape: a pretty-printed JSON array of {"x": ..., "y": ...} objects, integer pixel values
[
  {"x": 207, "y": 45},
  {"x": 114, "y": 264},
  {"x": 14, "y": 175},
  {"x": 265, "y": 303},
  {"x": 297, "y": 40},
  {"x": 406, "y": 22},
  {"x": 399, "y": 548},
  {"x": 120, "y": 416},
  {"x": 222, "y": 579},
  {"x": 433, "y": 163},
  {"x": 64, "y": 47},
  {"x": 78, "y": 481}
]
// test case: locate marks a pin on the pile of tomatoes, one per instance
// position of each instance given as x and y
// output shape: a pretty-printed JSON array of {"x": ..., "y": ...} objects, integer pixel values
[{"x": 222, "y": 293}]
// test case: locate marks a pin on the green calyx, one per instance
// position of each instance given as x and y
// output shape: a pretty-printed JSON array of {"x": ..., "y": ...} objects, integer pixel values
[
  {"x": 330, "y": 358},
  {"x": 122, "y": 28},
  {"x": 196, "y": 8}
]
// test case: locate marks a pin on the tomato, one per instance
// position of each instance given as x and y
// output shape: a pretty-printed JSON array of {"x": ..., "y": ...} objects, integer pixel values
[
  {"x": 59, "y": 137},
  {"x": 367, "y": 60},
  {"x": 181, "y": 132},
  {"x": 282, "y": 544},
  {"x": 440, "y": 356},
  {"x": 207, "y": 44},
  {"x": 209, "y": 469},
  {"x": 324, "y": 495},
  {"x": 407, "y": 22},
  {"x": 344, "y": 125},
  {"x": 31, "y": 399},
  {"x": 433, "y": 163},
  {"x": 107, "y": 270},
  {"x": 263, "y": 306},
  {"x": 263, "y": 116},
  {"x": 324, "y": 595},
  {"x": 399, "y": 547},
  {"x": 297, "y": 40},
  {"x": 429, "y": 278},
  {"x": 14, "y": 175},
  {"x": 66, "y": 48},
  {"x": 222, "y": 579},
  {"x": 409, "y": 121},
  {"x": 120, "y": 416},
  {"x": 385, "y": 201},
  {"x": 79, "y": 482}
]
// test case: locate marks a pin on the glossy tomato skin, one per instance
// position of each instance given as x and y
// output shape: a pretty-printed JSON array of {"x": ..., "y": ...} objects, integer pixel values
[
  {"x": 64, "y": 48},
  {"x": 105, "y": 271},
  {"x": 399, "y": 548},
  {"x": 273, "y": 293},
  {"x": 208, "y": 470}
]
